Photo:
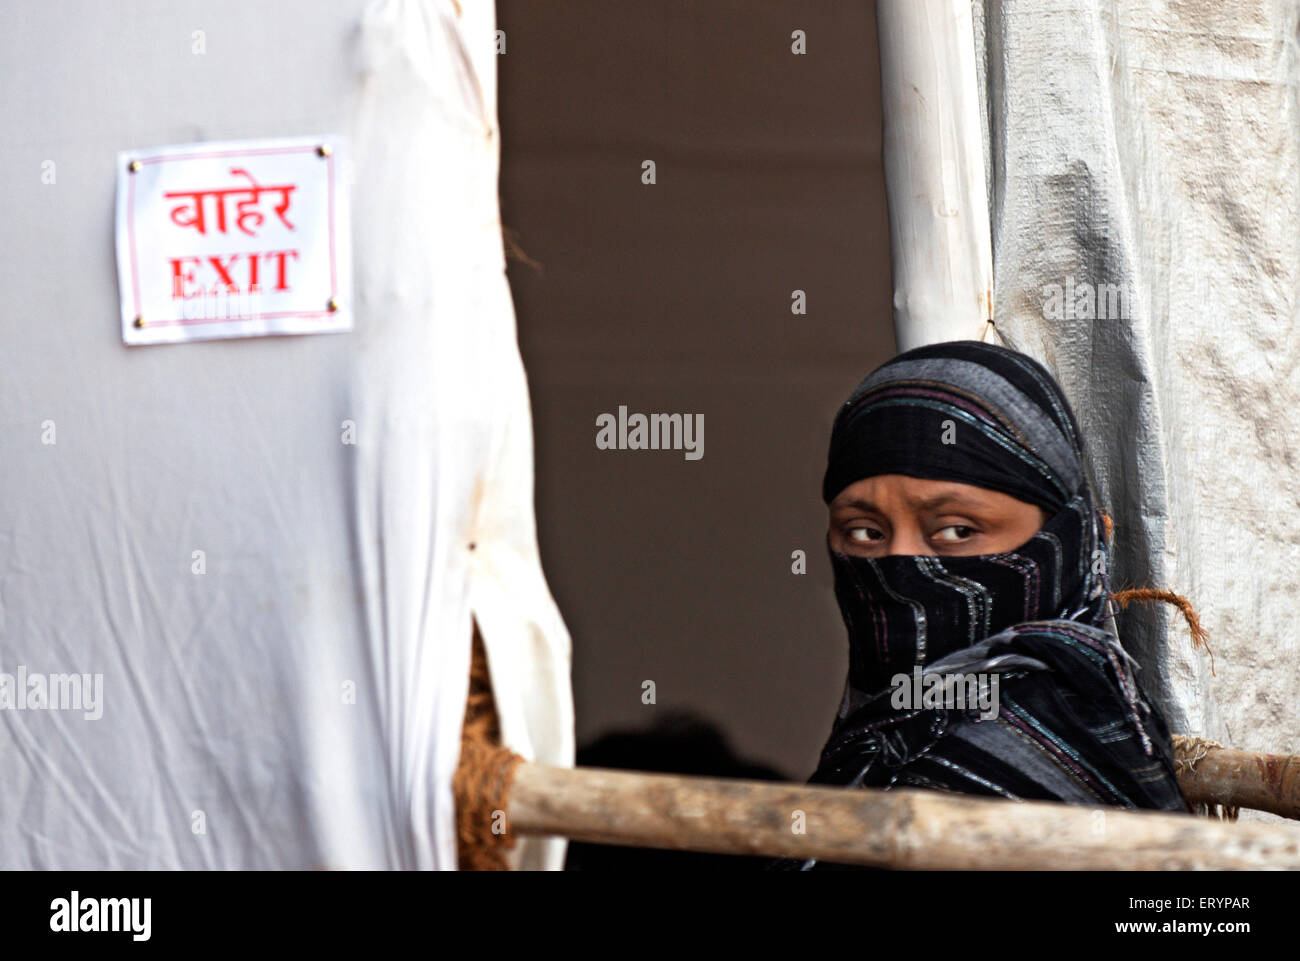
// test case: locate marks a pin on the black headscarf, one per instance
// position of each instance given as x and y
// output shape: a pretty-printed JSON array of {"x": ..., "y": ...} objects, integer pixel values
[{"x": 1072, "y": 723}]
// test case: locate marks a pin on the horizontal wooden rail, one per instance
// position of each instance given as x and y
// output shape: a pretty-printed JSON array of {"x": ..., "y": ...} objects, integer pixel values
[
  {"x": 1247, "y": 779},
  {"x": 904, "y": 828}
]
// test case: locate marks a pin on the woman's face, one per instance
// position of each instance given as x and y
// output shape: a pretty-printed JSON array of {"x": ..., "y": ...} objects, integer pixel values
[{"x": 895, "y": 514}]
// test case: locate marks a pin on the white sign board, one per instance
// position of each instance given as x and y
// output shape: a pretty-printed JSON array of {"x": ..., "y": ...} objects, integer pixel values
[{"x": 234, "y": 239}]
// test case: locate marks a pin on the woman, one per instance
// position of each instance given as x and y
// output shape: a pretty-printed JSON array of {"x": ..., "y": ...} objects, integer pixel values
[{"x": 966, "y": 544}]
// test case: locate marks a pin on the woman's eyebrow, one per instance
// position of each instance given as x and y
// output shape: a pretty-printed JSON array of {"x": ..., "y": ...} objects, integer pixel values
[
  {"x": 859, "y": 503},
  {"x": 950, "y": 501},
  {"x": 929, "y": 503},
  {"x": 946, "y": 500}
]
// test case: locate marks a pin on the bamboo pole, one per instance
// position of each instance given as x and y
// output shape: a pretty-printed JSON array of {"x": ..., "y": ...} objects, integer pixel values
[{"x": 904, "y": 828}]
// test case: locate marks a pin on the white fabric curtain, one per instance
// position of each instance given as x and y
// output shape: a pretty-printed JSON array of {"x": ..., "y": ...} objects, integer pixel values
[{"x": 227, "y": 738}]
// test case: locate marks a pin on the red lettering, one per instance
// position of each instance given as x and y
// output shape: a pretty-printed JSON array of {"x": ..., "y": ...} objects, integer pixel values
[
  {"x": 181, "y": 277},
  {"x": 281, "y": 279},
  {"x": 186, "y": 282},
  {"x": 224, "y": 271}
]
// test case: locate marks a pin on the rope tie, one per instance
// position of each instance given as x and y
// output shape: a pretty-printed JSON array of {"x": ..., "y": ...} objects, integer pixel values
[
  {"x": 483, "y": 776},
  {"x": 1200, "y": 637},
  {"x": 1188, "y": 751}
]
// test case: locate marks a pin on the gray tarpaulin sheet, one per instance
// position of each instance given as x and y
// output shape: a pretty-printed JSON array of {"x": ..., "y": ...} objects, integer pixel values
[{"x": 1142, "y": 171}]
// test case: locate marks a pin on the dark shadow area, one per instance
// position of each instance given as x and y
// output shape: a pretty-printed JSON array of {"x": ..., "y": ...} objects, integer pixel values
[{"x": 678, "y": 297}]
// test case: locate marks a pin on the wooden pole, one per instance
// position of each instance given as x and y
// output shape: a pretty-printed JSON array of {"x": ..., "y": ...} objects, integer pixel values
[
  {"x": 1264, "y": 782},
  {"x": 904, "y": 828}
]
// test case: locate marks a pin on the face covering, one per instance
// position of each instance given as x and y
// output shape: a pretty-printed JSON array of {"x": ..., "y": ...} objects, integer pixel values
[
  {"x": 1073, "y": 724},
  {"x": 906, "y": 611}
]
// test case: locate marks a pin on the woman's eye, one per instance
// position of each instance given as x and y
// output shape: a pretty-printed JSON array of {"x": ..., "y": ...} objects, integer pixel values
[
  {"x": 954, "y": 533},
  {"x": 864, "y": 535}
]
